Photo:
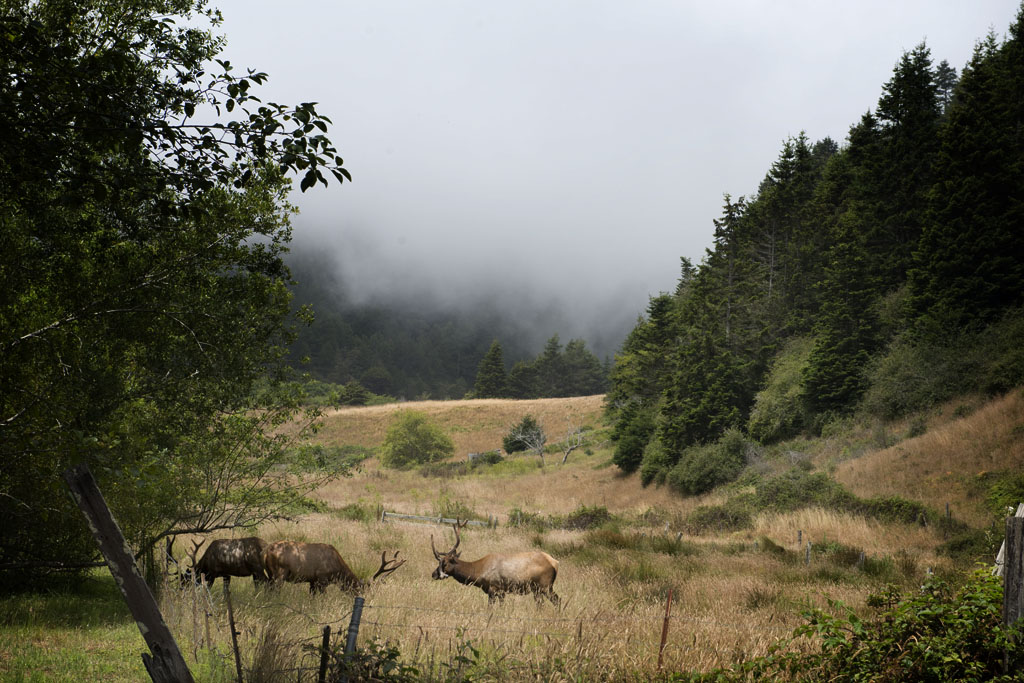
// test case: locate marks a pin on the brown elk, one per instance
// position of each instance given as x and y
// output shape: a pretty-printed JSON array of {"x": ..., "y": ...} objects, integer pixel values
[
  {"x": 319, "y": 564},
  {"x": 497, "y": 574},
  {"x": 227, "y": 557}
]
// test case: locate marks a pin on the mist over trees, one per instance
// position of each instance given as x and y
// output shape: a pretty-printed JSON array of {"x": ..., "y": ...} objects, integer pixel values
[
  {"x": 408, "y": 348},
  {"x": 881, "y": 276}
]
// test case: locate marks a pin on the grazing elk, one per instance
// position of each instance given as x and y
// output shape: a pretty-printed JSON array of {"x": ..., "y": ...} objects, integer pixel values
[
  {"x": 497, "y": 574},
  {"x": 227, "y": 557},
  {"x": 319, "y": 564}
]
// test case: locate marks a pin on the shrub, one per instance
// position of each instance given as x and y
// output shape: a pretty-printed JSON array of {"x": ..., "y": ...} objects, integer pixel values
[
  {"x": 912, "y": 376},
  {"x": 655, "y": 464},
  {"x": 735, "y": 514},
  {"x": 585, "y": 517},
  {"x": 523, "y": 436},
  {"x": 413, "y": 439},
  {"x": 778, "y": 411},
  {"x": 702, "y": 468},
  {"x": 932, "y": 634}
]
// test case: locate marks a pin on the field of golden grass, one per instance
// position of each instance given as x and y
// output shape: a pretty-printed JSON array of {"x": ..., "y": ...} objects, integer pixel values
[
  {"x": 734, "y": 594},
  {"x": 938, "y": 466}
]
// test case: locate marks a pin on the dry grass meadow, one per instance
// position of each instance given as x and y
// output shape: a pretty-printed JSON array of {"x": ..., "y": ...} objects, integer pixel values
[{"x": 733, "y": 595}]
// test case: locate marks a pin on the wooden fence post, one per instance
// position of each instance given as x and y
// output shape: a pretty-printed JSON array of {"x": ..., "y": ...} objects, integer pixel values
[
  {"x": 324, "y": 651},
  {"x": 166, "y": 664},
  {"x": 1013, "y": 575},
  {"x": 664, "y": 628},
  {"x": 234, "y": 631},
  {"x": 353, "y": 633}
]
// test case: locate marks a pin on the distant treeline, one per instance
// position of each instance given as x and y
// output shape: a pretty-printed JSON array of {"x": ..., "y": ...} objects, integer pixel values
[
  {"x": 881, "y": 276},
  {"x": 407, "y": 353}
]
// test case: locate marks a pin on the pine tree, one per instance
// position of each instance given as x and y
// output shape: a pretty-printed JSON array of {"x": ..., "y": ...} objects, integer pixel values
[
  {"x": 491, "y": 379},
  {"x": 845, "y": 332},
  {"x": 970, "y": 262},
  {"x": 909, "y": 114}
]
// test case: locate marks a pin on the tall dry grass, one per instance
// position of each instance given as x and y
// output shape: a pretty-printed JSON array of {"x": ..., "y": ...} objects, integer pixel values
[
  {"x": 734, "y": 594},
  {"x": 937, "y": 467},
  {"x": 729, "y": 604}
]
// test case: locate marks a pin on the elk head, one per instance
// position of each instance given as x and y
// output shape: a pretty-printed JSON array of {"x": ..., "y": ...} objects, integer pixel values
[{"x": 447, "y": 561}]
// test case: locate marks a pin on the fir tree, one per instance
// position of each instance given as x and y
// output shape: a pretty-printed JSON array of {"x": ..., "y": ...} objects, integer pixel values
[
  {"x": 970, "y": 262},
  {"x": 491, "y": 379}
]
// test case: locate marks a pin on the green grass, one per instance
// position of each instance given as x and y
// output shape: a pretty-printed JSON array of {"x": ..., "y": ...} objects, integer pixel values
[{"x": 81, "y": 634}]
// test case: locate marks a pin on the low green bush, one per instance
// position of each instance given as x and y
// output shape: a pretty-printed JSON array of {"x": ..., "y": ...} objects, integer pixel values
[
  {"x": 703, "y": 468},
  {"x": 655, "y": 463},
  {"x": 585, "y": 517},
  {"x": 933, "y": 634}
]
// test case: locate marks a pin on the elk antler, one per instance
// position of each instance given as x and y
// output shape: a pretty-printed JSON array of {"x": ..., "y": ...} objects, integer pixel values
[
  {"x": 387, "y": 566},
  {"x": 196, "y": 545},
  {"x": 458, "y": 525},
  {"x": 437, "y": 555}
]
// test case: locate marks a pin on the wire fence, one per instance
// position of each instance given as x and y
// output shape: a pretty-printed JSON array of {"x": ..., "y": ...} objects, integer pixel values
[{"x": 266, "y": 644}]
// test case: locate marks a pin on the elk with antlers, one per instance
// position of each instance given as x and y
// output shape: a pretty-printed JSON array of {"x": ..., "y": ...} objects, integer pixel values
[
  {"x": 319, "y": 564},
  {"x": 227, "y": 557},
  {"x": 497, "y": 574}
]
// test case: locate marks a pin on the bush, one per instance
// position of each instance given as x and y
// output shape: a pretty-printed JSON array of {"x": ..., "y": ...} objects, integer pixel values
[
  {"x": 735, "y": 514},
  {"x": 413, "y": 439},
  {"x": 655, "y": 464},
  {"x": 778, "y": 411},
  {"x": 702, "y": 468},
  {"x": 585, "y": 517},
  {"x": 934, "y": 634},
  {"x": 523, "y": 436}
]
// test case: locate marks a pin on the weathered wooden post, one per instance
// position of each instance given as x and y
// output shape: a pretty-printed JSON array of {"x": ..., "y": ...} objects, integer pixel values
[
  {"x": 324, "y": 651},
  {"x": 664, "y": 628},
  {"x": 1013, "y": 571},
  {"x": 799, "y": 537},
  {"x": 234, "y": 631},
  {"x": 166, "y": 664},
  {"x": 807, "y": 558},
  {"x": 353, "y": 632}
]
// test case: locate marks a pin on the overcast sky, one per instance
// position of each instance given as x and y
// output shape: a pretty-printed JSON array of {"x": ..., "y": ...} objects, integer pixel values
[{"x": 566, "y": 151}]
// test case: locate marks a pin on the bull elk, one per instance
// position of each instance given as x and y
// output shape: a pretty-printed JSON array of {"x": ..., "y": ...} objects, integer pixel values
[
  {"x": 319, "y": 564},
  {"x": 227, "y": 557},
  {"x": 497, "y": 574}
]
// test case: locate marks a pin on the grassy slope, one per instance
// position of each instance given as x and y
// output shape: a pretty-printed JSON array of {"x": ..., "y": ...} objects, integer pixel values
[{"x": 731, "y": 599}]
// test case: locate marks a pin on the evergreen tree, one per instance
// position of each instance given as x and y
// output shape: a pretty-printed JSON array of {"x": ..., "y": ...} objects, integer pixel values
[
  {"x": 491, "y": 379},
  {"x": 970, "y": 261},
  {"x": 845, "y": 332},
  {"x": 583, "y": 374},
  {"x": 550, "y": 370},
  {"x": 522, "y": 380},
  {"x": 909, "y": 114}
]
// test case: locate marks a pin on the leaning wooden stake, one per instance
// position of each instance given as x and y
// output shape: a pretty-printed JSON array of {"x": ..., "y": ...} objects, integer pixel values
[
  {"x": 166, "y": 664},
  {"x": 664, "y": 628}
]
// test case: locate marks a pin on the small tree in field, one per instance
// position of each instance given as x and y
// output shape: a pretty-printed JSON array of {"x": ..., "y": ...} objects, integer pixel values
[
  {"x": 412, "y": 439},
  {"x": 528, "y": 435}
]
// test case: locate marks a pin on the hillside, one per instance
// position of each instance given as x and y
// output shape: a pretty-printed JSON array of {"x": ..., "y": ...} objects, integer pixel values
[{"x": 962, "y": 442}]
